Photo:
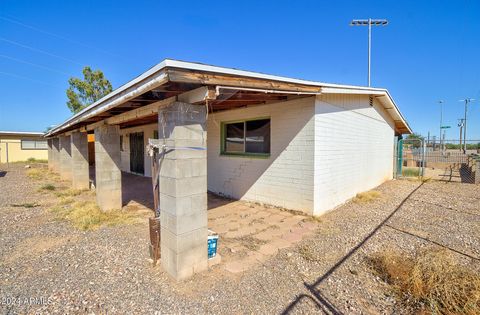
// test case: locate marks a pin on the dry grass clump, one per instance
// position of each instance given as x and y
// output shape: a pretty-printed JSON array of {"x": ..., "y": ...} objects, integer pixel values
[
  {"x": 70, "y": 192},
  {"x": 250, "y": 242},
  {"x": 367, "y": 196},
  {"x": 86, "y": 215},
  {"x": 411, "y": 171},
  {"x": 36, "y": 173},
  {"x": 41, "y": 174},
  {"x": 25, "y": 205},
  {"x": 47, "y": 187},
  {"x": 431, "y": 282},
  {"x": 307, "y": 252},
  {"x": 34, "y": 160}
]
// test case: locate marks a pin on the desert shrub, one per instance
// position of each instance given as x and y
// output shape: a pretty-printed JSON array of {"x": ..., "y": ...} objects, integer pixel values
[
  {"x": 367, "y": 196},
  {"x": 430, "y": 282},
  {"x": 86, "y": 215}
]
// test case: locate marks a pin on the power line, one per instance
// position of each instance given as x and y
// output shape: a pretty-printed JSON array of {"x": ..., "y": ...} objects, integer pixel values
[
  {"x": 14, "y": 21},
  {"x": 38, "y": 50},
  {"x": 33, "y": 64},
  {"x": 27, "y": 78}
]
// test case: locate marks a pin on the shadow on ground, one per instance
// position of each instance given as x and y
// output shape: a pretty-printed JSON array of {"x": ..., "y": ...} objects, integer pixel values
[{"x": 321, "y": 301}]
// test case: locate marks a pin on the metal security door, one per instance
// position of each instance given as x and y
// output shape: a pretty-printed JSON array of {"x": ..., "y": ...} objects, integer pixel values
[{"x": 137, "y": 155}]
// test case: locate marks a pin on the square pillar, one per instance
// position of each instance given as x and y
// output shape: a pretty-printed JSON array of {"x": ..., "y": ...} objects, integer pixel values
[
  {"x": 55, "y": 155},
  {"x": 65, "y": 158},
  {"x": 108, "y": 177},
  {"x": 183, "y": 190},
  {"x": 80, "y": 168},
  {"x": 50, "y": 153}
]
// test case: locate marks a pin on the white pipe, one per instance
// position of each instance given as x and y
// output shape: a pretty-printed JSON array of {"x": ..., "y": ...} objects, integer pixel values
[{"x": 262, "y": 90}]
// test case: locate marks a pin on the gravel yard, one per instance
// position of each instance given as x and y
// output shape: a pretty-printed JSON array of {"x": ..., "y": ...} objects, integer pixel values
[{"x": 48, "y": 266}]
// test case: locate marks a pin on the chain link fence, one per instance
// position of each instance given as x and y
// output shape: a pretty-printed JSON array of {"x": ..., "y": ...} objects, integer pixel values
[{"x": 450, "y": 160}]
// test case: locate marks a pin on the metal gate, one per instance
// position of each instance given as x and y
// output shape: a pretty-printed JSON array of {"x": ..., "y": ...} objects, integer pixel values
[
  {"x": 137, "y": 153},
  {"x": 410, "y": 158},
  {"x": 446, "y": 161}
]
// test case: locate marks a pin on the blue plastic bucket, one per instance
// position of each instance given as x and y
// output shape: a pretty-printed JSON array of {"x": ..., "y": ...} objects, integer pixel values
[{"x": 212, "y": 245}]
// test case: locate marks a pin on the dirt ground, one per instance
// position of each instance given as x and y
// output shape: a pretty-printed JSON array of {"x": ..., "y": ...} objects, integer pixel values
[{"x": 48, "y": 266}]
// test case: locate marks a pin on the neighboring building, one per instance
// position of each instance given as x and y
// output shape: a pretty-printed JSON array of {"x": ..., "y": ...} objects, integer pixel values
[
  {"x": 17, "y": 146},
  {"x": 297, "y": 144}
]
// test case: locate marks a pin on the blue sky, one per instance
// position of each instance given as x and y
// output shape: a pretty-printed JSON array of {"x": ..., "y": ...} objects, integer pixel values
[{"x": 429, "y": 51}]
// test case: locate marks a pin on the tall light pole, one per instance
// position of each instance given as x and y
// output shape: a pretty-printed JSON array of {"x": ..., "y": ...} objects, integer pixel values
[
  {"x": 460, "y": 125},
  {"x": 466, "y": 100},
  {"x": 441, "y": 121},
  {"x": 369, "y": 23}
]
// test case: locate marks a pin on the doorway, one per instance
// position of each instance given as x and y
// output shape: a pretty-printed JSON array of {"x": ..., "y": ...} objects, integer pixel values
[{"x": 137, "y": 155}]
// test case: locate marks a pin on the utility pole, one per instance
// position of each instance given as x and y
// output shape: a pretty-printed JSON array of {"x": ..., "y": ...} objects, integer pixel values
[
  {"x": 460, "y": 124},
  {"x": 441, "y": 121},
  {"x": 466, "y": 100},
  {"x": 369, "y": 23}
]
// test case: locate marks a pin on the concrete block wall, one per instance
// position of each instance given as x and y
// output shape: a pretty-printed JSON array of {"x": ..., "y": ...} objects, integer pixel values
[
  {"x": 80, "y": 167},
  {"x": 284, "y": 179},
  {"x": 108, "y": 177},
  {"x": 183, "y": 191},
  {"x": 354, "y": 144},
  {"x": 65, "y": 158},
  {"x": 56, "y": 154},
  {"x": 50, "y": 154}
]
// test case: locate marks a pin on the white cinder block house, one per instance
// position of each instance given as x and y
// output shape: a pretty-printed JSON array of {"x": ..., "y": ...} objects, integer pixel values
[
  {"x": 324, "y": 146},
  {"x": 297, "y": 144}
]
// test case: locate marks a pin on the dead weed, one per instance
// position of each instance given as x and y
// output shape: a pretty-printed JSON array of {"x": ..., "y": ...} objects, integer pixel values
[
  {"x": 430, "y": 282},
  {"x": 367, "y": 196},
  {"x": 307, "y": 252},
  {"x": 86, "y": 215}
]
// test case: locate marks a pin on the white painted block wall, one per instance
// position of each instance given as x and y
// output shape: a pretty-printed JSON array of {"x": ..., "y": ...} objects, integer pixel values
[
  {"x": 324, "y": 151},
  {"x": 354, "y": 145},
  {"x": 284, "y": 179}
]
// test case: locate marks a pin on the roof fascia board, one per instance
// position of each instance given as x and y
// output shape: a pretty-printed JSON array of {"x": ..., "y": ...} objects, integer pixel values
[{"x": 143, "y": 85}]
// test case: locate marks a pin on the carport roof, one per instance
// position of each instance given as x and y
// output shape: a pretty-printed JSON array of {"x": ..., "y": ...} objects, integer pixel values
[
  {"x": 21, "y": 133},
  {"x": 172, "y": 77}
]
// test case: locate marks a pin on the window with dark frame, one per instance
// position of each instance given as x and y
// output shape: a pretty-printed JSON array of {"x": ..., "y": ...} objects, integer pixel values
[
  {"x": 249, "y": 137},
  {"x": 33, "y": 144}
]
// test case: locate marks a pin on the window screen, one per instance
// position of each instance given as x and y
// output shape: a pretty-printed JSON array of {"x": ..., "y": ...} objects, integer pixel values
[
  {"x": 257, "y": 139},
  {"x": 234, "y": 137},
  {"x": 28, "y": 144},
  {"x": 34, "y": 145},
  {"x": 251, "y": 136}
]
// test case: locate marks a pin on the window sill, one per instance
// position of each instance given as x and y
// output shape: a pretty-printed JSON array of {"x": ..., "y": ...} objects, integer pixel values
[{"x": 247, "y": 155}]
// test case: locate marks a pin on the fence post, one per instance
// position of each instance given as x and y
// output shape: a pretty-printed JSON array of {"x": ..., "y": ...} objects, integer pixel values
[
  {"x": 399, "y": 157},
  {"x": 424, "y": 153}
]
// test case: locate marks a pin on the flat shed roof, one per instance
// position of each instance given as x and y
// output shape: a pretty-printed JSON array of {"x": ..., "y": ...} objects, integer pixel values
[{"x": 172, "y": 77}]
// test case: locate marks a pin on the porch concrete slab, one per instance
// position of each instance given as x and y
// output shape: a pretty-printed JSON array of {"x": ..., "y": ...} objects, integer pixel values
[{"x": 249, "y": 233}]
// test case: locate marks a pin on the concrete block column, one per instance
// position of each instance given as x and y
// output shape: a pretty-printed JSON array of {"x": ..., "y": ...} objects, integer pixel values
[
  {"x": 55, "y": 155},
  {"x": 80, "y": 168},
  {"x": 65, "y": 158},
  {"x": 50, "y": 153},
  {"x": 108, "y": 177},
  {"x": 183, "y": 190}
]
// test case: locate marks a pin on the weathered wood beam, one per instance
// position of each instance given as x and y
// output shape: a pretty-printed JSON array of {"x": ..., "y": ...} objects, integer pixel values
[
  {"x": 198, "y": 95},
  {"x": 177, "y": 75}
]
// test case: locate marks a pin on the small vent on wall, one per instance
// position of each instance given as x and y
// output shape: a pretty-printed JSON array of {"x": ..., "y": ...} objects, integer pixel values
[{"x": 371, "y": 100}]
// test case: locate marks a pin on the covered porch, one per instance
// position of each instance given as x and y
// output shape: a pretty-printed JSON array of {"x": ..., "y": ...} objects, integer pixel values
[
  {"x": 249, "y": 233},
  {"x": 179, "y": 100}
]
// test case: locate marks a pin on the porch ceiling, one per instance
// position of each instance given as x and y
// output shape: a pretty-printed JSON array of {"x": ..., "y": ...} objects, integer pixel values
[{"x": 227, "y": 89}]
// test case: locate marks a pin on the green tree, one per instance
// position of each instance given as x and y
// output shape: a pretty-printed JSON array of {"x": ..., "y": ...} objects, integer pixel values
[
  {"x": 415, "y": 136},
  {"x": 414, "y": 140},
  {"x": 82, "y": 93}
]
